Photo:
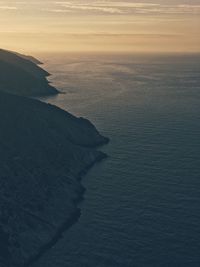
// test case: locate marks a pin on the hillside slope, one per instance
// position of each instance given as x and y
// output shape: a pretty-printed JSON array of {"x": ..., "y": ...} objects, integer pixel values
[
  {"x": 43, "y": 152},
  {"x": 21, "y": 75}
]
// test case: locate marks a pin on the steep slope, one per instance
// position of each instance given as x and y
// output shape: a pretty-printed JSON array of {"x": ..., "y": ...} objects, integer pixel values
[
  {"x": 30, "y": 58},
  {"x": 21, "y": 75},
  {"x": 43, "y": 151}
]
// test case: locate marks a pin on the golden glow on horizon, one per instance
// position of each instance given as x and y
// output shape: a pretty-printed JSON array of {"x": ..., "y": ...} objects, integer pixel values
[{"x": 90, "y": 25}]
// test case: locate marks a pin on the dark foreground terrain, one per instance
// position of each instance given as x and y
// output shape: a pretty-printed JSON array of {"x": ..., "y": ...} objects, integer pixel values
[{"x": 43, "y": 152}]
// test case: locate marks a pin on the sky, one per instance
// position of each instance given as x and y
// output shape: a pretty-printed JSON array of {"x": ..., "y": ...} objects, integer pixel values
[{"x": 100, "y": 25}]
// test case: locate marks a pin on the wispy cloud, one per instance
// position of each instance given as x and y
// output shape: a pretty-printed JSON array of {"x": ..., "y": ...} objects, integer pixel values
[
  {"x": 8, "y": 8},
  {"x": 117, "y": 7},
  {"x": 57, "y": 10},
  {"x": 90, "y": 7},
  {"x": 102, "y": 7}
]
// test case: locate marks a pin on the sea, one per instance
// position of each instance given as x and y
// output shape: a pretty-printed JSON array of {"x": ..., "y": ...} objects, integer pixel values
[{"x": 141, "y": 207}]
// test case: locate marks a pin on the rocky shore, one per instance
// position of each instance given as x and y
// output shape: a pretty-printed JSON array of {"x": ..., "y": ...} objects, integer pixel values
[{"x": 44, "y": 151}]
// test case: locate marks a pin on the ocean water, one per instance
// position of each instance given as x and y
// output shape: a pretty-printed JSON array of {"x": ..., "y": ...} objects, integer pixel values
[{"x": 142, "y": 204}]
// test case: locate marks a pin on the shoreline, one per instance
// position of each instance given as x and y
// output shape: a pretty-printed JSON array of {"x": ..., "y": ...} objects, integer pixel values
[
  {"x": 73, "y": 218},
  {"x": 44, "y": 162},
  {"x": 77, "y": 172}
]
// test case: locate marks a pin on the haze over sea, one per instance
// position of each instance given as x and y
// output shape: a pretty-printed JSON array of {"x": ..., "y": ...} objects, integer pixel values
[{"x": 142, "y": 204}]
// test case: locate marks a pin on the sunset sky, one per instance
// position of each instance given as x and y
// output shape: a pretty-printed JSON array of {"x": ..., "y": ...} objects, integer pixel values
[{"x": 103, "y": 25}]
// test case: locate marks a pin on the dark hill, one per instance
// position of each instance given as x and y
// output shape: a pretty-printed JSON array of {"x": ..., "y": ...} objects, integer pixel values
[
  {"x": 43, "y": 152},
  {"x": 43, "y": 149},
  {"x": 30, "y": 58},
  {"x": 21, "y": 75}
]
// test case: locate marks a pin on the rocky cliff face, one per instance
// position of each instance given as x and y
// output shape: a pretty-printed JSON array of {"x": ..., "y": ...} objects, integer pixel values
[
  {"x": 21, "y": 75},
  {"x": 43, "y": 151}
]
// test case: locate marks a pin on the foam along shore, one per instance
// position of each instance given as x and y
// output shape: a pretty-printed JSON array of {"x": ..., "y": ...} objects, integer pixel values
[{"x": 44, "y": 151}]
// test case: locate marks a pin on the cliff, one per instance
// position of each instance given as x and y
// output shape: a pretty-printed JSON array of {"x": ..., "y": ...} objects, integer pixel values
[
  {"x": 21, "y": 75},
  {"x": 43, "y": 152}
]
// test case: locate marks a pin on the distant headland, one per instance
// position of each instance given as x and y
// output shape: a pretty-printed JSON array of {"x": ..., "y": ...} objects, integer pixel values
[{"x": 21, "y": 75}]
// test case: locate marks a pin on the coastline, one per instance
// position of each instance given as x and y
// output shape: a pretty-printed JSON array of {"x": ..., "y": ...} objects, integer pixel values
[
  {"x": 60, "y": 178},
  {"x": 45, "y": 153},
  {"x": 70, "y": 221}
]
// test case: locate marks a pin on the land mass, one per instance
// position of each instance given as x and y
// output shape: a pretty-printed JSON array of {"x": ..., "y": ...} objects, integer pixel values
[
  {"x": 21, "y": 75},
  {"x": 44, "y": 152}
]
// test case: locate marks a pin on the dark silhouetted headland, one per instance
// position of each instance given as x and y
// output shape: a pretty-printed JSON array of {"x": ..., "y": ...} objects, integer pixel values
[
  {"x": 43, "y": 152},
  {"x": 21, "y": 75}
]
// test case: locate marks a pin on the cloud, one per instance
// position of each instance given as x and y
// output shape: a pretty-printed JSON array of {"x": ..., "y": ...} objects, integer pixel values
[
  {"x": 8, "y": 8},
  {"x": 103, "y": 7},
  {"x": 91, "y": 7},
  {"x": 57, "y": 10},
  {"x": 129, "y": 8}
]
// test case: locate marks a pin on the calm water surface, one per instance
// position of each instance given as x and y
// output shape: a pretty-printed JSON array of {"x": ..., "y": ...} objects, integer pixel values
[{"x": 142, "y": 205}]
